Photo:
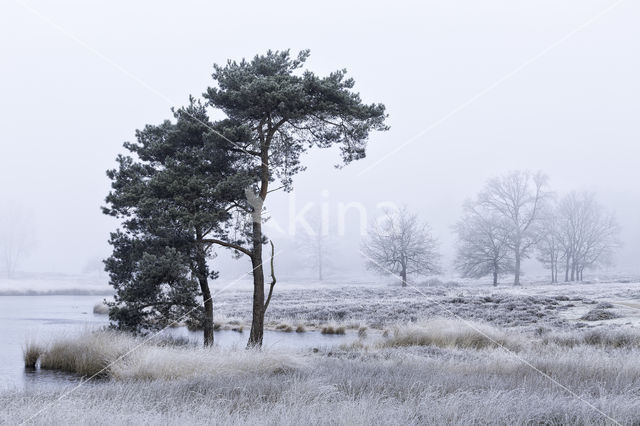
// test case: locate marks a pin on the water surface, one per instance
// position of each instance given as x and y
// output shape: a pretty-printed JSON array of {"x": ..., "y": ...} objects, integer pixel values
[{"x": 42, "y": 318}]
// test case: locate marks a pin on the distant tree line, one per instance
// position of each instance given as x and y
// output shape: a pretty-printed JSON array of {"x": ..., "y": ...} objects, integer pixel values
[
  {"x": 576, "y": 234},
  {"x": 516, "y": 216},
  {"x": 17, "y": 236},
  {"x": 513, "y": 218}
]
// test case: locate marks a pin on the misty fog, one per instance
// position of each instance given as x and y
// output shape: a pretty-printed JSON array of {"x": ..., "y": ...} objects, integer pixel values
[
  {"x": 385, "y": 213},
  {"x": 78, "y": 78}
]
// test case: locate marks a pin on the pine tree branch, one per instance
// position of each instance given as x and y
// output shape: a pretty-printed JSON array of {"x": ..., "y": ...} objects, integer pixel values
[{"x": 227, "y": 244}]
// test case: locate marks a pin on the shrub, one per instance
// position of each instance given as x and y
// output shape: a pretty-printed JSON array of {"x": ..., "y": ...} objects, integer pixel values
[
  {"x": 599, "y": 315},
  {"x": 168, "y": 340},
  {"x": 100, "y": 309}
]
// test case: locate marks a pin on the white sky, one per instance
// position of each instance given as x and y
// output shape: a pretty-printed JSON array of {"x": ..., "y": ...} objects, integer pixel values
[{"x": 67, "y": 106}]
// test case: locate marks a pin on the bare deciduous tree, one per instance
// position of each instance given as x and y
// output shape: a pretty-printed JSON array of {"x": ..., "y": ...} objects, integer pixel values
[
  {"x": 589, "y": 235},
  {"x": 16, "y": 236},
  {"x": 517, "y": 198},
  {"x": 315, "y": 245},
  {"x": 550, "y": 245},
  {"x": 483, "y": 244},
  {"x": 402, "y": 245}
]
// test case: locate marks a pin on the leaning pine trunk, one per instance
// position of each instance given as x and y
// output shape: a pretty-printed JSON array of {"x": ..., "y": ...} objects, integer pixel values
[
  {"x": 208, "y": 314},
  {"x": 257, "y": 322},
  {"x": 201, "y": 264}
]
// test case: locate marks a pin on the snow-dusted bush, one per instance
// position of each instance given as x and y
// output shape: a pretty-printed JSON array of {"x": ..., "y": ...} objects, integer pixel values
[
  {"x": 100, "y": 309},
  {"x": 599, "y": 314}
]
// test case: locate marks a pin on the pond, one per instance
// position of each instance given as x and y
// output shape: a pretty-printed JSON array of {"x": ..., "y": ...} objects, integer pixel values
[{"x": 40, "y": 318}]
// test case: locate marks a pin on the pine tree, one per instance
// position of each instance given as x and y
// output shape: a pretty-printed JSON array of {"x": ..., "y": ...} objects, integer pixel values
[
  {"x": 171, "y": 193},
  {"x": 283, "y": 111}
]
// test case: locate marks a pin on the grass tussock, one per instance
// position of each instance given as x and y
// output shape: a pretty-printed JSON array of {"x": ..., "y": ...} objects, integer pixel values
[
  {"x": 287, "y": 328},
  {"x": 601, "y": 337},
  {"x": 333, "y": 329},
  {"x": 88, "y": 354},
  {"x": 121, "y": 356},
  {"x": 450, "y": 334},
  {"x": 300, "y": 328},
  {"x": 31, "y": 353}
]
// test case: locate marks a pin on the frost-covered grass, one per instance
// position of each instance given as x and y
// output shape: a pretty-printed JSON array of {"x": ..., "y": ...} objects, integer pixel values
[
  {"x": 86, "y": 354},
  {"x": 452, "y": 355},
  {"x": 54, "y": 285},
  {"x": 381, "y": 306},
  {"x": 450, "y": 334},
  {"x": 452, "y": 383},
  {"x": 602, "y": 337},
  {"x": 120, "y": 356}
]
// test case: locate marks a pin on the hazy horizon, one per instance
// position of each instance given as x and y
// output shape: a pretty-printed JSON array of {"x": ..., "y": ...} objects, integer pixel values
[{"x": 78, "y": 80}]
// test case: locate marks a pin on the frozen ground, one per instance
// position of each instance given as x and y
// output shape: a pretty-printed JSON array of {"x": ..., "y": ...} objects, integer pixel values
[
  {"x": 55, "y": 285},
  {"x": 431, "y": 372},
  {"x": 378, "y": 306}
]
